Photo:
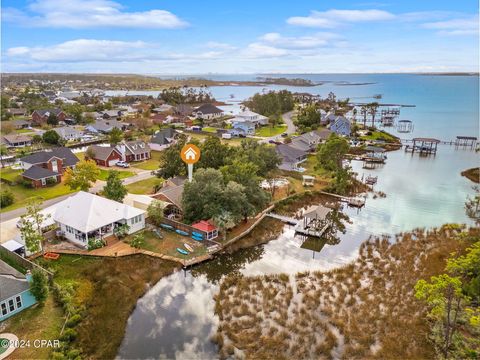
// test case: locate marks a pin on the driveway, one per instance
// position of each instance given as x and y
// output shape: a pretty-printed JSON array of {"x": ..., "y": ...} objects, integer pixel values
[{"x": 291, "y": 129}]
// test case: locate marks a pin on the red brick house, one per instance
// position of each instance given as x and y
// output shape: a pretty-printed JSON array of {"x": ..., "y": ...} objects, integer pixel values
[
  {"x": 40, "y": 117},
  {"x": 134, "y": 151},
  {"x": 47, "y": 167},
  {"x": 104, "y": 155}
]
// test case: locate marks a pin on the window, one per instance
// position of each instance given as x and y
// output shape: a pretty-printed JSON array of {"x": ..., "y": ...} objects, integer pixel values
[
  {"x": 4, "y": 308},
  {"x": 18, "y": 301},
  {"x": 11, "y": 305}
]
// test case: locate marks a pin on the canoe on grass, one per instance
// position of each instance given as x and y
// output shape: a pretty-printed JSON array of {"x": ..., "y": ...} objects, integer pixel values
[
  {"x": 196, "y": 238},
  {"x": 182, "y": 251},
  {"x": 197, "y": 234},
  {"x": 181, "y": 232},
  {"x": 188, "y": 247},
  {"x": 165, "y": 226}
]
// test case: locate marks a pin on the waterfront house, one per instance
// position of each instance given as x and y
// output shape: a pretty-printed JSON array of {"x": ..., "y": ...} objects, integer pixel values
[
  {"x": 136, "y": 150},
  {"x": 246, "y": 127},
  {"x": 104, "y": 155},
  {"x": 341, "y": 126},
  {"x": 84, "y": 217},
  {"x": 310, "y": 141},
  {"x": 291, "y": 157},
  {"x": 15, "y": 294},
  {"x": 208, "y": 112},
  {"x": 210, "y": 230},
  {"x": 247, "y": 115},
  {"x": 40, "y": 117},
  {"x": 16, "y": 141},
  {"x": 171, "y": 193},
  {"x": 68, "y": 133},
  {"x": 162, "y": 139},
  {"x": 327, "y": 118},
  {"x": 47, "y": 167}
]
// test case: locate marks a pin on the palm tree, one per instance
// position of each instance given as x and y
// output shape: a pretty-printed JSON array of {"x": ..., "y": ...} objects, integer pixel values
[
  {"x": 373, "y": 107},
  {"x": 354, "y": 115},
  {"x": 364, "y": 112}
]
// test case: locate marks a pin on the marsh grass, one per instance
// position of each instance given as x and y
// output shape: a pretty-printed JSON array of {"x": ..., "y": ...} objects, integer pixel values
[{"x": 365, "y": 309}]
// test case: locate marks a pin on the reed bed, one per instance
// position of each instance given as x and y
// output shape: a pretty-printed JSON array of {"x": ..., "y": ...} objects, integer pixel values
[{"x": 365, "y": 309}]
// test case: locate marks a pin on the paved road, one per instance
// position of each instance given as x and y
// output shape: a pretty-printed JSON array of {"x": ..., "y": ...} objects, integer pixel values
[
  {"x": 291, "y": 129},
  {"x": 9, "y": 215}
]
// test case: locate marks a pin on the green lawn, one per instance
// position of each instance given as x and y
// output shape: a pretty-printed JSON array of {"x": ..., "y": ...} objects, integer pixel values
[
  {"x": 170, "y": 242},
  {"x": 267, "y": 131},
  {"x": 380, "y": 135},
  {"x": 144, "y": 186},
  {"x": 122, "y": 174},
  {"x": 22, "y": 194},
  {"x": 10, "y": 174},
  {"x": 151, "y": 164},
  {"x": 210, "y": 129},
  {"x": 23, "y": 131}
]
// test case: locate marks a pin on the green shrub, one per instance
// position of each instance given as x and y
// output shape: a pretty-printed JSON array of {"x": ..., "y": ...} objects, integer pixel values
[
  {"x": 73, "y": 320},
  {"x": 68, "y": 335},
  {"x": 6, "y": 198},
  {"x": 39, "y": 286}
]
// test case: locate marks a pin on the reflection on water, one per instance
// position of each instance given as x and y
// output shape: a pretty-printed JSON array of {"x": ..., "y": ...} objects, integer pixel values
[{"x": 175, "y": 319}]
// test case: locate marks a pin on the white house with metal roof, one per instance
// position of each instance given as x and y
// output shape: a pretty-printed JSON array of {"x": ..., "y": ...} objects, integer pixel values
[{"x": 84, "y": 216}]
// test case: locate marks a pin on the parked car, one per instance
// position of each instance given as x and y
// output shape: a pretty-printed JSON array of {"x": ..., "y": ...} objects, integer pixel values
[
  {"x": 123, "y": 164},
  {"x": 284, "y": 135},
  {"x": 226, "y": 136},
  {"x": 274, "y": 142}
]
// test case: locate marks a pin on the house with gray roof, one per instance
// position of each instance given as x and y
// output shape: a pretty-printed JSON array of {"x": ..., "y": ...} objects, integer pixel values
[
  {"x": 136, "y": 150},
  {"x": 163, "y": 139},
  {"x": 172, "y": 192},
  {"x": 17, "y": 140},
  {"x": 15, "y": 294},
  {"x": 310, "y": 140},
  {"x": 208, "y": 112},
  {"x": 291, "y": 157},
  {"x": 69, "y": 133},
  {"x": 47, "y": 167},
  {"x": 106, "y": 126},
  {"x": 103, "y": 155}
]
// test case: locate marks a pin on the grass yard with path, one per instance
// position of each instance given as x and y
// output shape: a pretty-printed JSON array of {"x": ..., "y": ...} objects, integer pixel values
[
  {"x": 144, "y": 186},
  {"x": 169, "y": 244},
  {"x": 202, "y": 137},
  {"x": 151, "y": 164},
  {"x": 267, "y": 131}
]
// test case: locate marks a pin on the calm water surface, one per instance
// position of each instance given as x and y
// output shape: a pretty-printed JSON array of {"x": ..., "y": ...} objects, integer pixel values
[{"x": 175, "y": 319}]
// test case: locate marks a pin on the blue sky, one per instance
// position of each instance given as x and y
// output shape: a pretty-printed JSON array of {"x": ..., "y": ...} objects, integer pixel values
[{"x": 195, "y": 37}]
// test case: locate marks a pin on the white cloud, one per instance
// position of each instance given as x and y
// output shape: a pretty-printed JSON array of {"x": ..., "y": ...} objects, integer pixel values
[
  {"x": 301, "y": 42},
  {"x": 81, "y": 50},
  {"x": 459, "y": 26},
  {"x": 334, "y": 18},
  {"x": 90, "y": 14},
  {"x": 259, "y": 50},
  {"x": 220, "y": 45}
]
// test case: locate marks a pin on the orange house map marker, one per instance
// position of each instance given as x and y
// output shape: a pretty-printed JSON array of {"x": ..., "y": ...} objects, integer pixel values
[{"x": 190, "y": 154}]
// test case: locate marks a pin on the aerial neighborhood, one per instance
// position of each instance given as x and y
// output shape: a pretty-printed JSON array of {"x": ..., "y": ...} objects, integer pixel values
[
  {"x": 180, "y": 178},
  {"x": 94, "y": 151}
]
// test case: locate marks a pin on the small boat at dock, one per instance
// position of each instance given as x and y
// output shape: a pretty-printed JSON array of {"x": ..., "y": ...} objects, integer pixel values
[
  {"x": 182, "y": 251},
  {"x": 188, "y": 247},
  {"x": 166, "y": 226},
  {"x": 181, "y": 232}
]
